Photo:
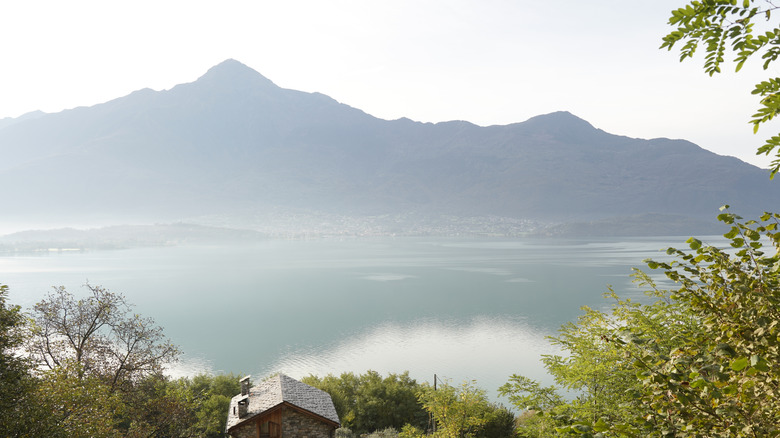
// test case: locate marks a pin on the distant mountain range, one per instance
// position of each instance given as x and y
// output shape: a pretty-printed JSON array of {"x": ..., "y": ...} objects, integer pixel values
[{"x": 234, "y": 145}]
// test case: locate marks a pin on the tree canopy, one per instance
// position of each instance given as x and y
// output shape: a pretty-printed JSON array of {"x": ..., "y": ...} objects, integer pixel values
[
  {"x": 595, "y": 376},
  {"x": 20, "y": 414},
  {"x": 95, "y": 369},
  {"x": 100, "y": 334},
  {"x": 369, "y": 405},
  {"x": 702, "y": 360},
  {"x": 368, "y": 402},
  {"x": 724, "y": 378},
  {"x": 457, "y": 411},
  {"x": 745, "y": 29},
  {"x": 12, "y": 368},
  {"x": 462, "y": 411}
]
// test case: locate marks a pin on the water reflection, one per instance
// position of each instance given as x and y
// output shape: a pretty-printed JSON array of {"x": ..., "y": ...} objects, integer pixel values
[
  {"x": 461, "y": 308},
  {"x": 486, "y": 349}
]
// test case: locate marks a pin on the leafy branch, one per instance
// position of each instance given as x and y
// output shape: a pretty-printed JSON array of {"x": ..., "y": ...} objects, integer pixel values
[{"x": 713, "y": 24}]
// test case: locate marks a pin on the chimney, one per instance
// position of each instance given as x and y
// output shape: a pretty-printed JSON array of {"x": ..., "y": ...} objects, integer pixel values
[
  {"x": 244, "y": 385},
  {"x": 243, "y": 407}
]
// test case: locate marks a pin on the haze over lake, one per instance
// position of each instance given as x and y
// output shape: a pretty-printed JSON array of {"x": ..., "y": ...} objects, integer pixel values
[
  {"x": 463, "y": 308},
  {"x": 234, "y": 156}
]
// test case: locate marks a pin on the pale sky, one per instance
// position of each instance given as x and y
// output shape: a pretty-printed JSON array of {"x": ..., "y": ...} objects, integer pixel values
[{"x": 485, "y": 61}]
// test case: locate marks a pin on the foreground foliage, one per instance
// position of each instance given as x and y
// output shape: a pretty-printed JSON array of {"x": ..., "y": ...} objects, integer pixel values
[
  {"x": 744, "y": 28},
  {"x": 598, "y": 367},
  {"x": 721, "y": 380},
  {"x": 703, "y": 360}
]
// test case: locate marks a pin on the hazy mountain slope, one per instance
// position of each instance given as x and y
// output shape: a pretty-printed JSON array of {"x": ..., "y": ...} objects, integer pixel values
[{"x": 232, "y": 142}]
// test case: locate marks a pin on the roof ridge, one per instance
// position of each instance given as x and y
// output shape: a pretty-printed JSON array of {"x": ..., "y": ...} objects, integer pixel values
[{"x": 281, "y": 385}]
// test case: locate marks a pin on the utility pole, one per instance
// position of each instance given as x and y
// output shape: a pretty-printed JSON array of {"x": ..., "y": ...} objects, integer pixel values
[{"x": 433, "y": 420}]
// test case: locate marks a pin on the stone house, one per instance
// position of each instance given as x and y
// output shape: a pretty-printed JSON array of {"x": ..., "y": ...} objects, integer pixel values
[{"x": 281, "y": 407}]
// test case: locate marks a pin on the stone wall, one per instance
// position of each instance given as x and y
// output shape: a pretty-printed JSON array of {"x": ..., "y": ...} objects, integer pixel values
[
  {"x": 297, "y": 425},
  {"x": 246, "y": 431},
  {"x": 294, "y": 425}
]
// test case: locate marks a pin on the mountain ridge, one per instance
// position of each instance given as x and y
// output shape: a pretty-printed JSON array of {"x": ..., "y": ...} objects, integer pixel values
[{"x": 232, "y": 143}]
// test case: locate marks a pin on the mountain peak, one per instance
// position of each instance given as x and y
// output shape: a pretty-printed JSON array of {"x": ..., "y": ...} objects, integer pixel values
[
  {"x": 562, "y": 125},
  {"x": 559, "y": 118},
  {"x": 234, "y": 72}
]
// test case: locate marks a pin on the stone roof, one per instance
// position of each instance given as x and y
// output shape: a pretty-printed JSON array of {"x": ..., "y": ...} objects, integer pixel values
[{"x": 283, "y": 389}]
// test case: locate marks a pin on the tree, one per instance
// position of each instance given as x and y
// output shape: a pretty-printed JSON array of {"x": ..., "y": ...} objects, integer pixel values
[
  {"x": 81, "y": 406},
  {"x": 598, "y": 365},
  {"x": 724, "y": 379},
  {"x": 343, "y": 391},
  {"x": 100, "y": 334},
  {"x": 21, "y": 413},
  {"x": 701, "y": 361},
  {"x": 464, "y": 411},
  {"x": 743, "y": 28},
  {"x": 25, "y": 409},
  {"x": 500, "y": 423},
  {"x": 344, "y": 432},
  {"x": 184, "y": 407},
  {"x": 542, "y": 409},
  {"x": 368, "y": 402},
  {"x": 159, "y": 406},
  {"x": 99, "y": 367},
  {"x": 99, "y": 374},
  {"x": 13, "y": 371},
  {"x": 212, "y": 395}
]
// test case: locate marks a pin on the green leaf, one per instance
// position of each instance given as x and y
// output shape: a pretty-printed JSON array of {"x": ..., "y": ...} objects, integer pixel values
[
  {"x": 698, "y": 383},
  {"x": 601, "y": 426},
  {"x": 739, "y": 364},
  {"x": 752, "y": 234},
  {"x": 582, "y": 428},
  {"x": 725, "y": 349},
  {"x": 759, "y": 363},
  {"x": 729, "y": 390}
]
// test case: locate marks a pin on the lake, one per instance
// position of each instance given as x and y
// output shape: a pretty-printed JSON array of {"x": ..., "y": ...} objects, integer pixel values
[{"x": 463, "y": 308}]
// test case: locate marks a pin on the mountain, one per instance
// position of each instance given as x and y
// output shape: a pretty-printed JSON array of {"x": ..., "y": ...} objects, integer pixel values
[
  {"x": 7, "y": 121},
  {"x": 233, "y": 143}
]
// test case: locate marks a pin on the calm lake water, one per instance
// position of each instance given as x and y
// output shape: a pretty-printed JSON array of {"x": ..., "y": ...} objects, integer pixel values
[{"x": 465, "y": 309}]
